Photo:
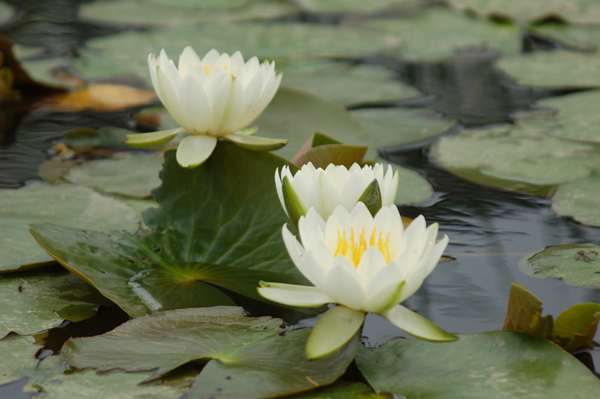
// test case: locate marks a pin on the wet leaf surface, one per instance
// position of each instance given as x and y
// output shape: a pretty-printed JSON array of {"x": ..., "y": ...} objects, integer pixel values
[
  {"x": 33, "y": 302},
  {"x": 579, "y": 199},
  {"x": 200, "y": 236},
  {"x": 578, "y": 11},
  {"x": 554, "y": 69},
  {"x": 576, "y": 264},
  {"x": 392, "y": 127},
  {"x": 132, "y": 176},
  {"x": 495, "y": 365},
  {"x": 17, "y": 358},
  {"x": 520, "y": 158},
  {"x": 524, "y": 314},
  {"x": 242, "y": 349},
  {"x": 65, "y": 204},
  {"x": 438, "y": 33}
]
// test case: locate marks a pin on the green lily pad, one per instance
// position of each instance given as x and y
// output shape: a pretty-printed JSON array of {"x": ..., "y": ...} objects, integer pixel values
[
  {"x": 17, "y": 358},
  {"x": 241, "y": 351},
  {"x": 133, "y": 176},
  {"x": 83, "y": 138},
  {"x": 581, "y": 37},
  {"x": 577, "y": 117},
  {"x": 412, "y": 187},
  {"x": 184, "y": 12},
  {"x": 54, "y": 170},
  {"x": 491, "y": 365},
  {"x": 554, "y": 69},
  {"x": 520, "y": 158},
  {"x": 348, "y": 85},
  {"x": 392, "y": 127},
  {"x": 578, "y": 11},
  {"x": 356, "y": 6},
  {"x": 439, "y": 32},
  {"x": 66, "y": 204},
  {"x": 33, "y": 302},
  {"x": 576, "y": 264},
  {"x": 201, "y": 236},
  {"x": 341, "y": 390},
  {"x": 128, "y": 52},
  {"x": 576, "y": 327},
  {"x": 579, "y": 199},
  {"x": 296, "y": 115}
]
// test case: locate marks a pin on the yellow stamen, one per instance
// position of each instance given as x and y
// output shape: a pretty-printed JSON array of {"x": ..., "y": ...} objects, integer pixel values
[
  {"x": 207, "y": 69},
  {"x": 359, "y": 245}
]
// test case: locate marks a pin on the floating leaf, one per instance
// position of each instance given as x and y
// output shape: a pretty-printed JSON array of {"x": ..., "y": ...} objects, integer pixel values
[
  {"x": 494, "y": 365},
  {"x": 576, "y": 327},
  {"x": 357, "y": 6},
  {"x": 340, "y": 390},
  {"x": 296, "y": 115},
  {"x": 578, "y": 11},
  {"x": 65, "y": 204},
  {"x": 242, "y": 350},
  {"x": 17, "y": 358},
  {"x": 133, "y": 176},
  {"x": 35, "y": 302},
  {"x": 439, "y": 33},
  {"x": 519, "y": 158},
  {"x": 579, "y": 199},
  {"x": 200, "y": 236},
  {"x": 101, "y": 97},
  {"x": 54, "y": 170},
  {"x": 392, "y": 127},
  {"x": 554, "y": 68},
  {"x": 525, "y": 314},
  {"x": 577, "y": 264},
  {"x": 581, "y": 37},
  {"x": 349, "y": 85},
  {"x": 85, "y": 138}
]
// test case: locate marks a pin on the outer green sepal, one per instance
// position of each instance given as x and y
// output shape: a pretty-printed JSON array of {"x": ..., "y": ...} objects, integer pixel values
[
  {"x": 336, "y": 327},
  {"x": 416, "y": 325},
  {"x": 245, "y": 140},
  {"x": 153, "y": 139},
  {"x": 293, "y": 205},
  {"x": 371, "y": 197}
]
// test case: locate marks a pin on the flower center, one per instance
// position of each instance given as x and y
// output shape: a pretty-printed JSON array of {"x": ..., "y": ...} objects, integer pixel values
[
  {"x": 208, "y": 69},
  {"x": 354, "y": 248}
]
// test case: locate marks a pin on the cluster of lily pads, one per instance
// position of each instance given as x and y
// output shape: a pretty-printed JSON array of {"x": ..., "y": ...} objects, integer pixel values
[{"x": 211, "y": 237}]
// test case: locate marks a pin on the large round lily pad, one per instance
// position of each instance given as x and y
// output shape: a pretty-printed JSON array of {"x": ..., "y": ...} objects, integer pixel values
[
  {"x": 350, "y": 85},
  {"x": 579, "y": 11},
  {"x": 66, "y": 204},
  {"x": 579, "y": 199},
  {"x": 33, "y": 302},
  {"x": 242, "y": 351},
  {"x": 296, "y": 115},
  {"x": 439, "y": 32},
  {"x": 133, "y": 176},
  {"x": 128, "y": 52},
  {"x": 392, "y": 127},
  {"x": 554, "y": 69},
  {"x": 491, "y": 365},
  {"x": 201, "y": 236},
  {"x": 17, "y": 358},
  {"x": 576, "y": 264},
  {"x": 577, "y": 117},
  {"x": 579, "y": 37},
  {"x": 519, "y": 158}
]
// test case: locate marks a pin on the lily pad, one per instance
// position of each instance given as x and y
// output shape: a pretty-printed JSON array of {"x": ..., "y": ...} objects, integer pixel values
[
  {"x": 66, "y": 204},
  {"x": 577, "y": 117},
  {"x": 579, "y": 199},
  {"x": 132, "y": 176},
  {"x": 520, "y": 158},
  {"x": 581, "y": 37},
  {"x": 200, "y": 236},
  {"x": 554, "y": 68},
  {"x": 392, "y": 127},
  {"x": 17, "y": 358},
  {"x": 578, "y": 11},
  {"x": 84, "y": 138},
  {"x": 34, "y": 302},
  {"x": 576, "y": 264},
  {"x": 128, "y": 52},
  {"x": 348, "y": 85},
  {"x": 296, "y": 115},
  {"x": 491, "y": 365},
  {"x": 356, "y": 6},
  {"x": 524, "y": 314},
  {"x": 439, "y": 32},
  {"x": 240, "y": 351}
]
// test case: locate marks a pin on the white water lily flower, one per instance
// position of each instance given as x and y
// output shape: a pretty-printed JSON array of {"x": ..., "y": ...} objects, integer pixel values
[
  {"x": 324, "y": 190},
  {"x": 363, "y": 263},
  {"x": 213, "y": 97}
]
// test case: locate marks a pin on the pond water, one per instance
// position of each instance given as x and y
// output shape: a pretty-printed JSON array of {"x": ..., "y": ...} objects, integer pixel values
[{"x": 490, "y": 230}]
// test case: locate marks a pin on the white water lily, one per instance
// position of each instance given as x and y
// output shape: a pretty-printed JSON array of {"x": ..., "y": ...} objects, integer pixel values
[
  {"x": 324, "y": 190},
  {"x": 211, "y": 98},
  {"x": 363, "y": 264}
]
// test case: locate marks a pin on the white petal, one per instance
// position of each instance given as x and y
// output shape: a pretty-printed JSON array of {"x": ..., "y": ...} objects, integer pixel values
[
  {"x": 323, "y": 196},
  {"x": 153, "y": 67},
  {"x": 170, "y": 97},
  {"x": 344, "y": 285},
  {"x": 237, "y": 60},
  {"x": 194, "y": 150},
  {"x": 195, "y": 105},
  {"x": 294, "y": 295},
  {"x": 221, "y": 97},
  {"x": 211, "y": 57},
  {"x": 369, "y": 267},
  {"x": 188, "y": 61}
]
